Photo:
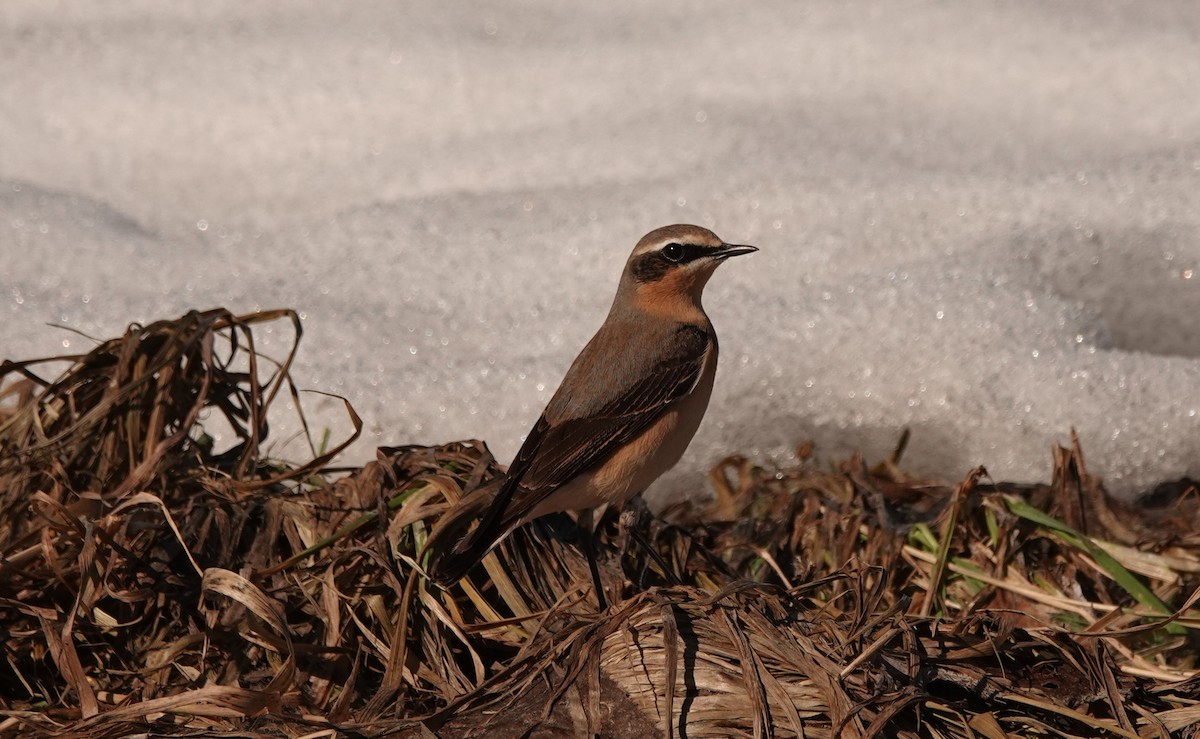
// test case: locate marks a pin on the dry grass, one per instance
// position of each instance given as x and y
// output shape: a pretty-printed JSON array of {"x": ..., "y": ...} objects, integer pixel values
[{"x": 151, "y": 584}]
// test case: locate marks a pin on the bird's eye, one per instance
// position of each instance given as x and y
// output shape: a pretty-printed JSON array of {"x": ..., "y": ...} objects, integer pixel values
[{"x": 673, "y": 252}]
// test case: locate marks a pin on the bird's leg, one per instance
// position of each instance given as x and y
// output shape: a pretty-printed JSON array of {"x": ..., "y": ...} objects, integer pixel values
[
  {"x": 589, "y": 548},
  {"x": 631, "y": 519},
  {"x": 626, "y": 523}
]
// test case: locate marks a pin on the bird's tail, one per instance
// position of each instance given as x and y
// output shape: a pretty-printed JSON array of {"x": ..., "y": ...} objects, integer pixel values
[{"x": 453, "y": 547}]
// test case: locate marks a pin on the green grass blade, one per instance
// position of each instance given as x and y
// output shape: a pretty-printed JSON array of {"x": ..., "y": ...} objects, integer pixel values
[{"x": 1123, "y": 577}]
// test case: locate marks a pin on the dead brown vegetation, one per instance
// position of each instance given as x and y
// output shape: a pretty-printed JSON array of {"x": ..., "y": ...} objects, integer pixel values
[{"x": 152, "y": 584}]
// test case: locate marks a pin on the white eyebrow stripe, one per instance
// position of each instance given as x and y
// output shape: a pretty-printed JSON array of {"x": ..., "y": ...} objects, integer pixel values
[{"x": 656, "y": 246}]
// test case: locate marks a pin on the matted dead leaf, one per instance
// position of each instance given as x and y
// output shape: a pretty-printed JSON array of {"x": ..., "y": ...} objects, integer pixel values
[{"x": 153, "y": 583}]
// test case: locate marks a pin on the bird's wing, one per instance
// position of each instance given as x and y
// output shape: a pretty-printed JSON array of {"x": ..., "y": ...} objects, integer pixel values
[
  {"x": 576, "y": 434},
  {"x": 615, "y": 400}
]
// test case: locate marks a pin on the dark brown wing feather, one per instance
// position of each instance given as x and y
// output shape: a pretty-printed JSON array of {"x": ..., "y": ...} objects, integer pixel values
[{"x": 575, "y": 434}]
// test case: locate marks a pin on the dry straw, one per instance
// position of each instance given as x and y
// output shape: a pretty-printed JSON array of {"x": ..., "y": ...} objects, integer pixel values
[{"x": 154, "y": 584}]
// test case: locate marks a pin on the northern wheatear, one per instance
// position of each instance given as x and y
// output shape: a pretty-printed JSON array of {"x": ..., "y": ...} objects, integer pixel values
[{"x": 628, "y": 406}]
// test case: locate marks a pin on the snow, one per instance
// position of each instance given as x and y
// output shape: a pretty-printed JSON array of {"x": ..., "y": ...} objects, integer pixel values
[{"x": 976, "y": 220}]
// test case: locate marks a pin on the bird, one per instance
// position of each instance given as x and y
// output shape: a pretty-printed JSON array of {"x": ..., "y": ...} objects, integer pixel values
[{"x": 626, "y": 409}]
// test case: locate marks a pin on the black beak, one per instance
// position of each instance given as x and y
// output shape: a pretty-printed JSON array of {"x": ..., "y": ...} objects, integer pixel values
[{"x": 732, "y": 250}]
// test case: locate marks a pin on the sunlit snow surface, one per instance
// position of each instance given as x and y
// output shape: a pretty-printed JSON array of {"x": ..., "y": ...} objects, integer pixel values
[{"x": 978, "y": 220}]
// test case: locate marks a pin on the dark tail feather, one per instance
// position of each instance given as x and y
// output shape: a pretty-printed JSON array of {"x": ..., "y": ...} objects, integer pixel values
[
  {"x": 448, "y": 564},
  {"x": 455, "y": 564}
]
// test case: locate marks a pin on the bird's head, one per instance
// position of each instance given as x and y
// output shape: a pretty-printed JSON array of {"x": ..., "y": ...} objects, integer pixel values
[{"x": 669, "y": 267}]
